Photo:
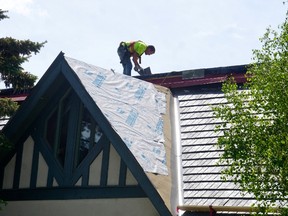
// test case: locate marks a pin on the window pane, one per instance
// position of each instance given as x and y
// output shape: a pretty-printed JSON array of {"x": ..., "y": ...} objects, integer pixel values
[
  {"x": 98, "y": 134},
  {"x": 85, "y": 137},
  {"x": 64, "y": 122},
  {"x": 90, "y": 134},
  {"x": 51, "y": 129}
]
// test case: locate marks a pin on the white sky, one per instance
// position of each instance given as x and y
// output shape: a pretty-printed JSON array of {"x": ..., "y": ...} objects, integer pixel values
[{"x": 187, "y": 34}]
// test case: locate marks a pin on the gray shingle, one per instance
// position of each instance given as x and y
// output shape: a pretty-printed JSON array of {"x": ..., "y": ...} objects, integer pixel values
[
  {"x": 202, "y": 182},
  {"x": 196, "y": 115},
  {"x": 3, "y": 122},
  {"x": 201, "y": 155},
  {"x": 203, "y": 141}
]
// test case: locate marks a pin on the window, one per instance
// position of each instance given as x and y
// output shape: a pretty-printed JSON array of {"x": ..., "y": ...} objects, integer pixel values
[
  {"x": 57, "y": 127},
  {"x": 90, "y": 134},
  {"x": 69, "y": 119}
]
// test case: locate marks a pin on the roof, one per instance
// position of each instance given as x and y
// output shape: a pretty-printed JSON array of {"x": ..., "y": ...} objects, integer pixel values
[
  {"x": 84, "y": 79},
  {"x": 197, "y": 77},
  {"x": 17, "y": 96}
]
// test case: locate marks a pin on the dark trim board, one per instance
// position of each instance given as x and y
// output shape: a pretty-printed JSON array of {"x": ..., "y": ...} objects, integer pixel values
[
  {"x": 55, "y": 169},
  {"x": 17, "y": 170},
  {"x": 33, "y": 181},
  {"x": 73, "y": 193}
]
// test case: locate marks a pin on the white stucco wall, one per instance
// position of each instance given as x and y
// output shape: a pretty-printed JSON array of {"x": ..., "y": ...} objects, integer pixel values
[
  {"x": 99, "y": 207},
  {"x": 26, "y": 164}
]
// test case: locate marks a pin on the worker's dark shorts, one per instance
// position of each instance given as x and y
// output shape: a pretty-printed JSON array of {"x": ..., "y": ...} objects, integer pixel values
[{"x": 122, "y": 51}]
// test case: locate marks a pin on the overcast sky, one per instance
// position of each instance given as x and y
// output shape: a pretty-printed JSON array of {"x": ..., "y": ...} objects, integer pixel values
[{"x": 187, "y": 34}]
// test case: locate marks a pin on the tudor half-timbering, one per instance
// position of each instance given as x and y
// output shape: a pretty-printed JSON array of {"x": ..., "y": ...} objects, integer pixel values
[{"x": 69, "y": 159}]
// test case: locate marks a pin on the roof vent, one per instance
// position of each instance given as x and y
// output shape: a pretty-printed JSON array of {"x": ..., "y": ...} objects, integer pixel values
[{"x": 193, "y": 74}]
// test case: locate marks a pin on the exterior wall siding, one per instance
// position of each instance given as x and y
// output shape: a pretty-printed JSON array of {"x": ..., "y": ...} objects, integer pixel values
[{"x": 202, "y": 182}]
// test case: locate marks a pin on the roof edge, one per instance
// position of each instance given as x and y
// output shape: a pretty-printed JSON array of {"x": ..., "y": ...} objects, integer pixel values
[
  {"x": 198, "y": 77},
  {"x": 207, "y": 208}
]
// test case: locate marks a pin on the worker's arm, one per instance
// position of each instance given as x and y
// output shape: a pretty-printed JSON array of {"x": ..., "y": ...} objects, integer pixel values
[{"x": 135, "y": 58}]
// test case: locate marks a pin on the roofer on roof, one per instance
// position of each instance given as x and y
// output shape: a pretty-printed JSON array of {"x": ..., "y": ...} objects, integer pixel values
[{"x": 133, "y": 49}]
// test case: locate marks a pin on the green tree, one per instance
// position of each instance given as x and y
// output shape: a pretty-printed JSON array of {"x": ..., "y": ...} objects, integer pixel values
[
  {"x": 255, "y": 123},
  {"x": 13, "y": 53}
]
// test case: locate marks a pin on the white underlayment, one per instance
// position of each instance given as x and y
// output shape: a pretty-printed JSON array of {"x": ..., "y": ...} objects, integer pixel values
[{"x": 133, "y": 107}]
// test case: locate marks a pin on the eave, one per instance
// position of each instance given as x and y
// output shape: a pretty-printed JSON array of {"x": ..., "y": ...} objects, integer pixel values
[
  {"x": 214, "y": 209},
  {"x": 189, "y": 78}
]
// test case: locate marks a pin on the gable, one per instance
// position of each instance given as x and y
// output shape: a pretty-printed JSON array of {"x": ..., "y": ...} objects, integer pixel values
[
  {"x": 55, "y": 113},
  {"x": 66, "y": 148}
]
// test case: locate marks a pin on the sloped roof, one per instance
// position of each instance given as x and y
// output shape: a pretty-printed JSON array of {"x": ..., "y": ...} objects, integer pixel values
[
  {"x": 133, "y": 108},
  {"x": 16, "y": 128}
]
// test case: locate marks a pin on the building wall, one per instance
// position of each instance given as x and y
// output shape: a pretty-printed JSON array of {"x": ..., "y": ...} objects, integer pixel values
[
  {"x": 71, "y": 207},
  {"x": 99, "y": 207},
  {"x": 94, "y": 171}
]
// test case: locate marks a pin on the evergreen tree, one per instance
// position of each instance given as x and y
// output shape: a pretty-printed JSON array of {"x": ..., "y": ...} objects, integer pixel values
[{"x": 13, "y": 53}]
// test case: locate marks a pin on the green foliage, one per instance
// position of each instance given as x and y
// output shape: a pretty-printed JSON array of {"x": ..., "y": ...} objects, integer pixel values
[
  {"x": 2, "y": 203},
  {"x": 13, "y": 53},
  {"x": 255, "y": 123},
  {"x": 7, "y": 107},
  {"x": 2, "y": 14}
]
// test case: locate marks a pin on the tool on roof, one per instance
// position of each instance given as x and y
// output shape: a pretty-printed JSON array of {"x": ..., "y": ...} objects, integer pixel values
[{"x": 145, "y": 71}]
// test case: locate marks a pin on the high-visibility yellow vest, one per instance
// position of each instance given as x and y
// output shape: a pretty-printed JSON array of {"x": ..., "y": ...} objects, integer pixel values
[{"x": 136, "y": 46}]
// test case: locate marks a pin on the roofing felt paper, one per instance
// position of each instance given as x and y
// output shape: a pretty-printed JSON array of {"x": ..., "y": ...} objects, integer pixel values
[{"x": 133, "y": 107}]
